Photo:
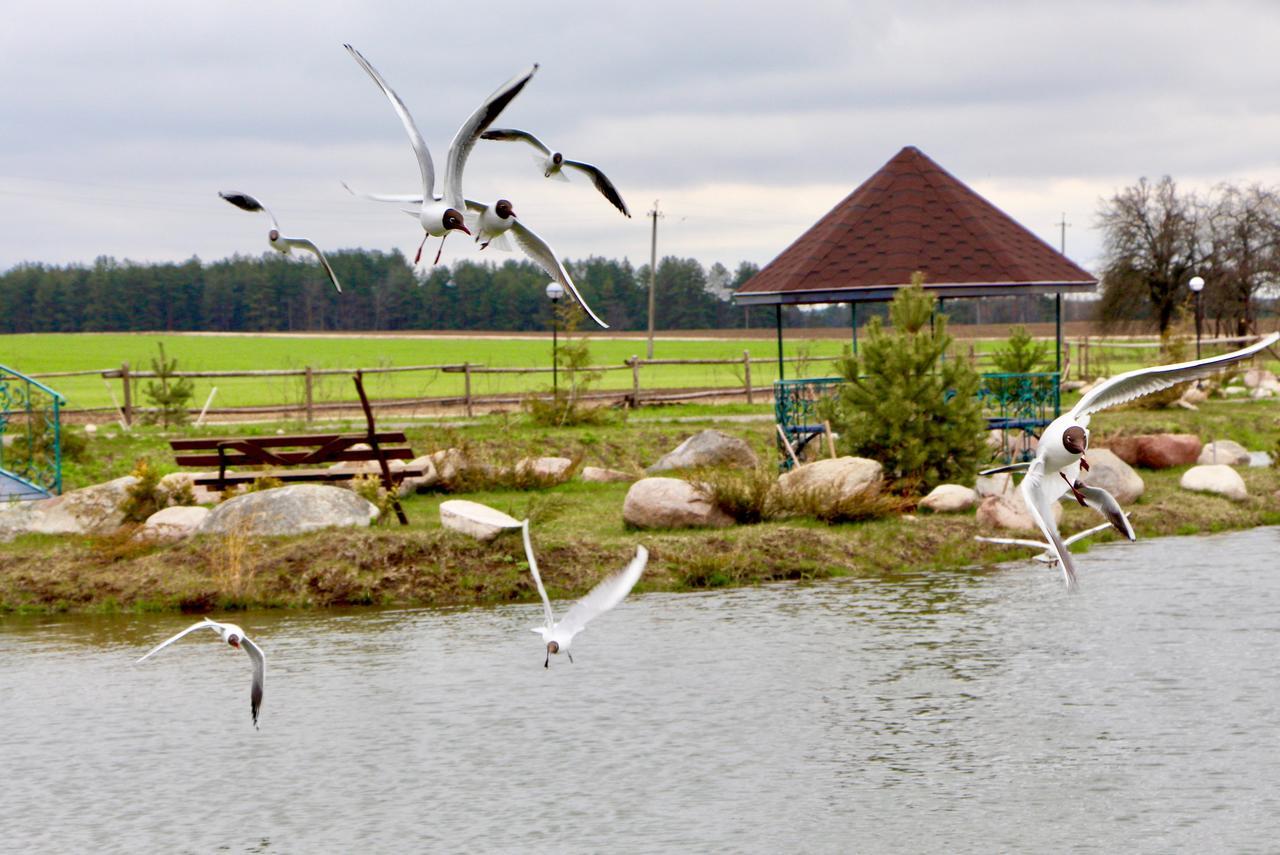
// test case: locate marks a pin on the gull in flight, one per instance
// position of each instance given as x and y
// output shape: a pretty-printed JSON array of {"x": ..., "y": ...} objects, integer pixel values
[
  {"x": 553, "y": 162},
  {"x": 442, "y": 213},
  {"x": 493, "y": 223},
  {"x": 604, "y": 596},
  {"x": 233, "y": 635},
  {"x": 279, "y": 242},
  {"x": 1060, "y": 455}
]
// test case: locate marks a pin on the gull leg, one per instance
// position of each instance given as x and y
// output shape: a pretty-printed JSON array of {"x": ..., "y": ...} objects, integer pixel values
[
  {"x": 547, "y": 662},
  {"x": 570, "y": 655},
  {"x": 418, "y": 257},
  {"x": 1075, "y": 488},
  {"x": 441, "y": 249}
]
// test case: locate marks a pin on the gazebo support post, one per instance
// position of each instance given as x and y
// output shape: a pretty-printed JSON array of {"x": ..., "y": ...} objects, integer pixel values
[
  {"x": 853, "y": 323},
  {"x": 777, "y": 317},
  {"x": 1057, "y": 321}
]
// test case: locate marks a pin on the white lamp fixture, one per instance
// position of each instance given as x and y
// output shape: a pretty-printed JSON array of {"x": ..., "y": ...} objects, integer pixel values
[
  {"x": 554, "y": 290},
  {"x": 1196, "y": 283}
]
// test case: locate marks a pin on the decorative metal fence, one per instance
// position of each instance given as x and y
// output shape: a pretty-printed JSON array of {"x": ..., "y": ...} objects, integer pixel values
[
  {"x": 1010, "y": 402},
  {"x": 30, "y": 437}
]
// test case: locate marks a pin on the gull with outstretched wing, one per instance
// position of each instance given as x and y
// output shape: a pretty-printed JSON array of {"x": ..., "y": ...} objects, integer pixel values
[
  {"x": 234, "y": 636},
  {"x": 278, "y": 242}
]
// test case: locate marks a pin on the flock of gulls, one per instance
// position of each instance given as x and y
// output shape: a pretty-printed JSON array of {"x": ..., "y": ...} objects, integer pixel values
[
  {"x": 449, "y": 210},
  {"x": 556, "y": 635}
]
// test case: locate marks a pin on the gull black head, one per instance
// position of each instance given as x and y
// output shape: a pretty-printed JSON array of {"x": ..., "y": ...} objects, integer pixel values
[
  {"x": 557, "y": 160},
  {"x": 1075, "y": 440},
  {"x": 503, "y": 209},
  {"x": 454, "y": 220},
  {"x": 552, "y": 647},
  {"x": 233, "y": 640},
  {"x": 273, "y": 235}
]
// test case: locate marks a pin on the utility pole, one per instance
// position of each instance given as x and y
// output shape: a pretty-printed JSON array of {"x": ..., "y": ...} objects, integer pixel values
[
  {"x": 1062, "y": 241},
  {"x": 653, "y": 271},
  {"x": 1062, "y": 248}
]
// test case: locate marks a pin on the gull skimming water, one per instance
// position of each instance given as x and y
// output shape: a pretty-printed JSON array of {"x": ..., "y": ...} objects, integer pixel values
[
  {"x": 233, "y": 635},
  {"x": 279, "y": 242},
  {"x": 604, "y": 596}
]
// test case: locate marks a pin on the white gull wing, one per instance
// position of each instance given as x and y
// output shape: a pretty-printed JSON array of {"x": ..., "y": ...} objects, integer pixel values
[
  {"x": 1040, "y": 544},
  {"x": 204, "y": 624},
  {"x": 513, "y": 135},
  {"x": 259, "y": 660},
  {"x": 537, "y": 249},
  {"x": 308, "y": 246},
  {"x": 245, "y": 202},
  {"x": 1134, "y": 384},
  {"x": 604, "y": 596},
  {"x": 465, "y": 139},
  {"x": 426, "y": 168},
  {"x": 602, "y": 183},
  {"x": 537, "y": 578},
  {"x": 1036, "y": 494},
  {"x": 400, "y": 198}
]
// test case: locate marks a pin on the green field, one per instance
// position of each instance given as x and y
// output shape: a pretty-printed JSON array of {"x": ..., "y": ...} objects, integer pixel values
[{"x": 36, "y": 354}]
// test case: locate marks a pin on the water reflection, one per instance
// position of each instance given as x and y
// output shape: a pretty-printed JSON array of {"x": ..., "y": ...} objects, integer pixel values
[{"x": 933, "y": 711}]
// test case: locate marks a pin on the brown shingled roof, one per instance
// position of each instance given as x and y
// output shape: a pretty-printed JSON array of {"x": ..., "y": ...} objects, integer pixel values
[{"x": 912, "y": 215}]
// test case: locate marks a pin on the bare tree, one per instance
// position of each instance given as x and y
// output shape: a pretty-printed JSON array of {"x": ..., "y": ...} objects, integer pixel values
[
  {"x": 1240, "y": 233},
  {"x": 1150, "y": 251}
]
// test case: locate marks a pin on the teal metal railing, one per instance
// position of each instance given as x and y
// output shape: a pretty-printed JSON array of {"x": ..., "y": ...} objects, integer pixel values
[
  {"x": 1009, "y": 402},
  {"x": 30, "y": 437}
]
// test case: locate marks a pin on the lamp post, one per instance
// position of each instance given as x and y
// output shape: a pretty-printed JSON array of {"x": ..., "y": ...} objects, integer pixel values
[
  {"x": 1196, "y": 284},
  {"x": 554, "y": 292}
]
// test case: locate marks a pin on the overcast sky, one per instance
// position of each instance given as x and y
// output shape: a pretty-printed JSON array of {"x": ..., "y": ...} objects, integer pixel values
[{"x": 747, "y": 120}]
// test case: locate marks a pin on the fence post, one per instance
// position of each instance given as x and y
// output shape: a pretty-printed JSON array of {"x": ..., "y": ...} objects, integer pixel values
[
  {"x": 635, "y": 380},
  {"x": 466, "y": 370},
  {"x": 128, "y": 393},
  {"x": 308, "y": 394},
  {"x": 746, "y": 373},
  {"x": 1084, "y": 356}
]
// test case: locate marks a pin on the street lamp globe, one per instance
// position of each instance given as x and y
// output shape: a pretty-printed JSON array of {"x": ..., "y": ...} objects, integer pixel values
[
  {"x": 1196, "y": 283},
  {"x": 554, "y": 290}
]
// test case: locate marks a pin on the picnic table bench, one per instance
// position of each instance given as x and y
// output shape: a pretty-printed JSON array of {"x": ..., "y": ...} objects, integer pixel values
[{"x": 317, "y": 451}]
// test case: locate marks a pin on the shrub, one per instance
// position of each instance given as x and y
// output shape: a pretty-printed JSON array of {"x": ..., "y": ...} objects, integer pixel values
[
  {"x": 145, "y": 496},
  {"x": 905, "y": 404},
  {"x": 170, "y": 396},
  {"x": 573, "y": 359},
  {"x": 746, "y": 495}
]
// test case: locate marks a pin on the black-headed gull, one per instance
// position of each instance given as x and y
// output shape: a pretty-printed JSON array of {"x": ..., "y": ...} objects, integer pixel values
[
  {"x": 279, "y": 242},
  {"x": 441, "y": 213},
  {"x": 604, "y": 596},
  {"x": 233, "y": 635},
  {"x": 553, "y": 162},
  {"x": 1060, "y": 455},
  {"x": 491, "y": 224}
]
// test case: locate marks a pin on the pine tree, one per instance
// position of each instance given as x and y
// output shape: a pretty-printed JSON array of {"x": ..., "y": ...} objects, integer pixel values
[
  {"x": 908, "y": 406},
  {"x": 170, "y": 396}
]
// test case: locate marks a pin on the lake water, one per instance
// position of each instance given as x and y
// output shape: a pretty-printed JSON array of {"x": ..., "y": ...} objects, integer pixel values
[{"x": 977, "y": 711}]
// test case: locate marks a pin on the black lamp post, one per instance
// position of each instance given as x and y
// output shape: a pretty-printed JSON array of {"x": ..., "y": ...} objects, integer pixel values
[
  {"x": 555, "y": 291},
  {"x": 1197, "y": 285}
]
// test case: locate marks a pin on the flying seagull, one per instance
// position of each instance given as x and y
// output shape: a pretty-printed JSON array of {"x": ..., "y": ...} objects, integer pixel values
[
  {"x": 442, "y": 213},
  {"x": 279, "y": 242},
  {"x": 233, "y": 635},
  {"x": 493, "y": 222},
  {"x": 1060, "y": 455},
  {"x": 553, "y": 162},
  {"x": 604, "y": 596}
]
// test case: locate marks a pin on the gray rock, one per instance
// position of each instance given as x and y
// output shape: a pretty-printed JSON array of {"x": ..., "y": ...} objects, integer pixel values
[
  {"x": 1000, "y": 484},
  {"x": 449, "y": 463},
  {"x": 175, "y": 523},
  {"x": 292, "y": 509},
  {"x": 1224, "y": 451},
  {"x": 599, "y": 475},
  {"x": 475, "y": 520},
  {"x": 950, "y": 499},
  {"x": 16, "y": 518},
  {"x": 91, "y": 509},
  {"x": 1010, "y": 512},
  {"x": 420, "y": 483},
  {"x": 670, "y": 503},
  {"x": 843, "y": 478},
  {"x": 203, "y": 495},
  {"x": 1217, "y": 478},
  {"x": 708, "y": 448},
  {"x": 1112, "y": 474},
  {"x": 1256, "y": 377},
  {"x": 549, "y": 468}
]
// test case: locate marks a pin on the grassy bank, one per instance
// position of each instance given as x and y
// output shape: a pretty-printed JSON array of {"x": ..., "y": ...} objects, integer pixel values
[{"x": 578, "y": 530}]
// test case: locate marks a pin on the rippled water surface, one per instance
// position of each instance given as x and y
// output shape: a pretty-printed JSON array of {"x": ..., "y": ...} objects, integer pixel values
[{"x": 948, "y": 712}]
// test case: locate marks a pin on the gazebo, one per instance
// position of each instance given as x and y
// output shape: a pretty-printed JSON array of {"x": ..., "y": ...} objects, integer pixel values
[{"x": 912, "y": 215}]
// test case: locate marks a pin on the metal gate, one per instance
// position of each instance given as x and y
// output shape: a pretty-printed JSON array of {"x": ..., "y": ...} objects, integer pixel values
[{"x": 30, "y": 437}]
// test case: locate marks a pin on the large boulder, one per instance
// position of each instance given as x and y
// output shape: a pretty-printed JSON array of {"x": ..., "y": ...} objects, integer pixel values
[
  {"x": 708, "y": 448},
  {"x": 475, "y": 520},
  {"x": 999, "y": 484},
  {"x": 841, "y": 478},
  {"x": 90, "y": 509},
  {"x": 449, "y": 463},
  {"x": 597, "y": 474},
  {"x": 670, "y": 503},
  {"x": 175, "y": 523},
  {"x": 204, "y": 495},
  {"x": 1256, "y": 378},
  {"x": 1011, "y": 512},
  {"x": 1215, "y": 478},
  {"x": 292, "y": 509},
  {"x": 16, "y": 518},
  {"x": 1224, "y": 451},
  {"x": 545, "y": 468},
  {"x": 420, "y": 483},
  {"x": 950, "y": 499},
  {"x": 1156, "y": 451},
  {"x": 1112, "y": 474}
]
